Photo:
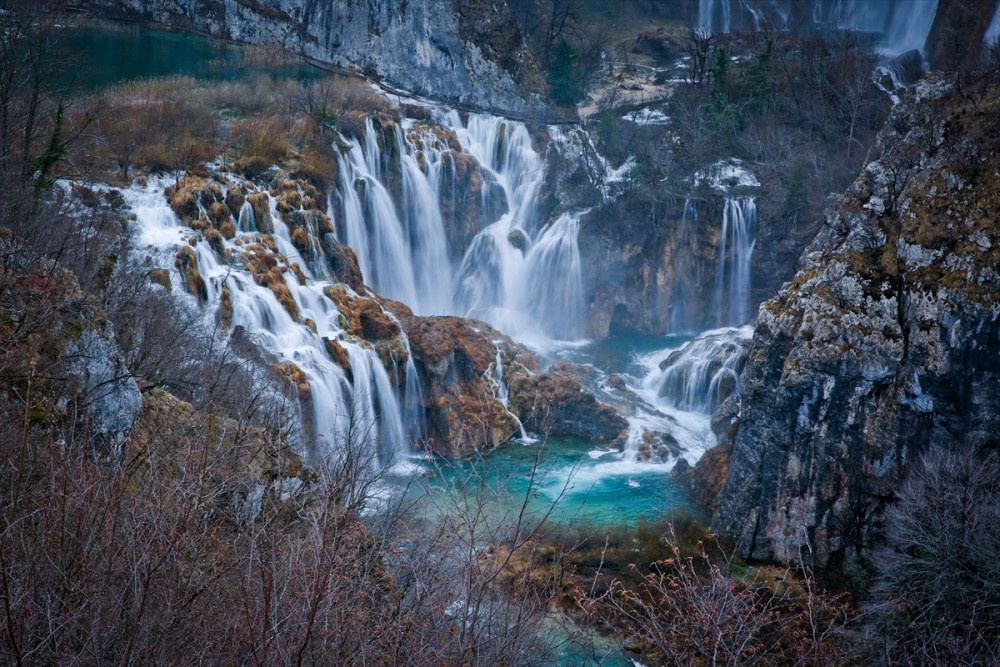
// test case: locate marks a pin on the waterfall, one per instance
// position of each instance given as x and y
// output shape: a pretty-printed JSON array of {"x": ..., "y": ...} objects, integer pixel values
[
  {"x": 704, "y": 373},
  {"x": 901, "y": 25},
  {"x": 736, "y": 245},
  {"x": 363, "y": 409},
  {"x": 679, "y": 321},
  {"x": 993, "y": 31},
  {"x": 520, "y": 278}
]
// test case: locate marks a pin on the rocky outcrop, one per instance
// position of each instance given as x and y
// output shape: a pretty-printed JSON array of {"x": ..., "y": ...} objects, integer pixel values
[
  {"x": 886, "y": 343},
  {"x": 459, "y": 52},
  {"x": 463, "y": 398},
  {"x": 556, "y": 403}
]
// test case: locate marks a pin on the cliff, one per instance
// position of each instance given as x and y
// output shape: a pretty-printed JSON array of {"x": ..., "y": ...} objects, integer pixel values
[
  {"x": 886, "y": 342},
  {"x": 463, "y": 53}
]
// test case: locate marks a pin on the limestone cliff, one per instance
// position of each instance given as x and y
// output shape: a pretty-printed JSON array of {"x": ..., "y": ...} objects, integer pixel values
[
  {"x": 465, "y": 53},
  {"x": 886, "y": 343}
]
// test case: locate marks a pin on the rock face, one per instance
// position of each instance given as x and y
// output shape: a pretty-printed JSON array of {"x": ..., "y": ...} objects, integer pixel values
[
  {"x": 956, "y": 37},
  {"x": 96, "y": 370},
  {"x": 454, "y": 51},
  {"x": 885, "y": 343}
]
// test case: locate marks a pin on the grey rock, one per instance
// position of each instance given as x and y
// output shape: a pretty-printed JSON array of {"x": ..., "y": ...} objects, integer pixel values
[
  {"x": 96, "y": 371},
  {"x": 422, "y": 46},
  {"x": 885, "y": 344}
]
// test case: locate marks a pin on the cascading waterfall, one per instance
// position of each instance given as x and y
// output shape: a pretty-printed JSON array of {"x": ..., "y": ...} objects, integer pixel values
[
  {"x": 732, "y": 278},
  {"x": 703, "y": 373},
  {"x": 523, "y": 279},
  {"x": 363, "y": 410}
]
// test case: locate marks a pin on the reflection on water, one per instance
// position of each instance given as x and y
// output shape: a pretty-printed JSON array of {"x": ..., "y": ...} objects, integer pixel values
[{"x": 100, "y": 54}]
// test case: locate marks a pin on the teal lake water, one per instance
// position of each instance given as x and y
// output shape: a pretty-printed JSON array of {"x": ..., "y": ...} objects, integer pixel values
[{"x": 103, "y": 54}]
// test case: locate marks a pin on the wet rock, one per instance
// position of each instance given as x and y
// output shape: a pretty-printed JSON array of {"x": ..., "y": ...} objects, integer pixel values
[
  {"x": 235, "y": 198},
  {"x": 456, "y": 359},
  {"x": 517, "y": 239},
  {"x": 186, "y": 263},
  {"x": 343, "y": 263},
  {"x": 160, "y": 277},
  {"x": 473, "y": 201},
  {"x": 191, "y": 195},
  {"x": 340, "y": 357},
  {"x": 261, "y": 207}
]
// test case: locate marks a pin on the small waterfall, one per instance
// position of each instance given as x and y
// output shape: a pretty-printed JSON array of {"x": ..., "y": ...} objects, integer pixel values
[
  {"x": 413, "y": 412},
  {"x": 736, "y": 245},
  {"x": 705, "y": 372},
  {"x": 679, "y": 321},
  {"x": 362, "y": 409},
  {"x": 246, "y": 222},
  {"x": 521, "y": 279}
]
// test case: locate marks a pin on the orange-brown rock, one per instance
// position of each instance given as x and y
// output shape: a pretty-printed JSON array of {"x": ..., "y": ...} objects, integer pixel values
[
  {"x": 365, "y": 317},
  {"x": 190, "y": 191},
  {"x": 339, "y": 356},
  {"x": 555, "y": 403},
  {"x": 235, "y": 198},
  {"x": 456, "y": 360},
  {"x": 226, "y": 308},
  {"x": 295, "y": 376},
  {"x": 160, "y": 277},
  {"x": 186, "y": 263},
  {"x": 343, "y": 263},
  {"x": 261, "y": 207}
]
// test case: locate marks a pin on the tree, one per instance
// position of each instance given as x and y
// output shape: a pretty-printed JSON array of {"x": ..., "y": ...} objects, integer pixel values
[{"x": 562, "y": 74}]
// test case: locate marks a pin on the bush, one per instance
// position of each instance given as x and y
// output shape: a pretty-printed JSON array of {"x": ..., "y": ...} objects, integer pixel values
[{"x": 937, "y": 594}]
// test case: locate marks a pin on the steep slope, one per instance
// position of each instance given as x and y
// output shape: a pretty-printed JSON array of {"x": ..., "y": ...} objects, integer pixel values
[
  {"x": 466, "y": 53},
  {"x": 886, "y": 343}
]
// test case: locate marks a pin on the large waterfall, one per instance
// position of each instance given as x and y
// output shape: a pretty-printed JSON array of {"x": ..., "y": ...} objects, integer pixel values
[
  {"x": 362, "y": 409},
  {"x": 396, "y": 198},
  {"x": 901, "y": 25}
]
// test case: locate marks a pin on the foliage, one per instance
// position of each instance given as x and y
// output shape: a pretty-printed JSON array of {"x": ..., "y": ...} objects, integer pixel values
[{"x": 561, "y": 74}]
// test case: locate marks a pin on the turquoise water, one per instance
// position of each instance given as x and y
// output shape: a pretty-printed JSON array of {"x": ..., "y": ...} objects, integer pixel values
[
  {"x": 566, "y": 481},
  {"x": 100, "y": 55}
]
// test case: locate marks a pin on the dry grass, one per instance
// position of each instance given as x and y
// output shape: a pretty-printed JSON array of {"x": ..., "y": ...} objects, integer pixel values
[{"x": 178, "y": 122}]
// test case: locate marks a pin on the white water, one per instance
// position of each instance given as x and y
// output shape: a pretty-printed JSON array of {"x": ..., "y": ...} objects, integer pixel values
[
  {"x": 679, "y": 321},
  {"x": 901, "y": 25},
  {"x": 732, "y": 277},
  {"x": 534, "y": 292},
  {"x": 993, "y": 31},
  {"x": 364, "y": 410},
  {"x": 681, "y": 388},
  {"x": 703, "y": 373}
]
